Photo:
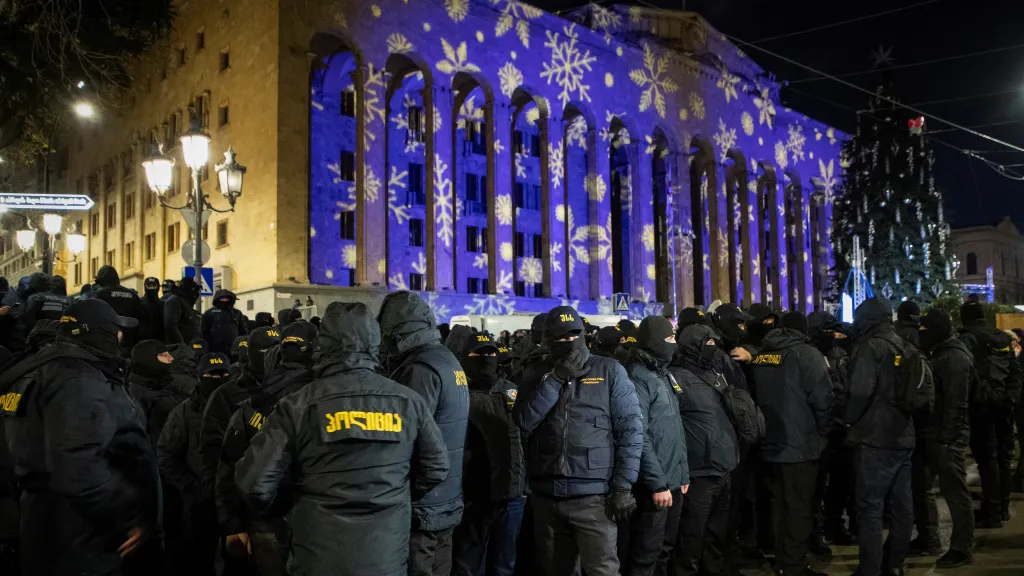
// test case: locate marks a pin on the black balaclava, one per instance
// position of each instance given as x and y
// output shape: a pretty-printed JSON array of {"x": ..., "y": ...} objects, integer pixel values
[
  {"x": 765, "y": 320},
  {"x": 152, "y": 288},
  {"x": 690, "y": 316},
  {"x": 729, "y": 330},
  {"x": 210, "y": 382},
  {"x": 794, "y": 321},
  {"x": 537, "y": 328},
  {"x": 169, "y": 287},
  {"x": 240, "y": 350},
  {"x": 972, "y": 313},
  {"x": 651, "y": 335},
  {"x": 561, "y": 322},
  {"x": 482, "y": 371},
  {"x": 145, "y": 361},
  {"x": 264, "y": 319},
  {"x": 189, "y": 290},
  {"x": 607, "y": 341},
  {"x": 822, "y": 328},
  {"x": 937, "y": 328},
  {"x": 22, "y": 289},
  {"x": 260, "y": 340},
  {"x": 86, "y": 292},
  {"x": 58, "y": 285},
  {"x": 909, "y": 314}
]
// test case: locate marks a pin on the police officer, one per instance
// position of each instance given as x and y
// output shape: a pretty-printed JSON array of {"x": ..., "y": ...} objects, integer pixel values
[
  {"x": 494, "y": 473},
  {"x": 180, "y": 322},
  {"x": 795, "y": 394},
  {"x": 81, "y": 454},
  {"x": 413, "y": 356},
  {"x": 288, "y": 367},
  {"x": 997, "y": 390},
  {"x": 192, "y": 551},
  {"x": 883, "y": 437},
  {"x": 356, "y": 449},
  {"x": 646, "y": 542},
  {"x": 607, "y": 342},
  {"x": 944, "y": 437},
  {"x": 222, "y": 323},
  {"x": 731, "y": 324},
  {"x": 531, "y": 349},
  {"x": 151, "y": 387},
  {"x": 835, "y": 487},
  {"x": 225, "y": 400},
  {"x": 46, "y": 305},
  {"x": 627, "y": 339},
  {"x": 712, "y": 454},
  {"x": 908, "y": 322},
  {"x": 154, "y": 308},
  {"x": 169, "y": 288},
  {"x": 16, "y": 327},
  {"x": 586, "y": 437},
  {"x": 125, "y": 302}
]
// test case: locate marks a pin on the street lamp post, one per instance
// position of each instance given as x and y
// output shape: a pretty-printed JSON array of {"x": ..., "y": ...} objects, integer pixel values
[{"x": 195, "y": 147}]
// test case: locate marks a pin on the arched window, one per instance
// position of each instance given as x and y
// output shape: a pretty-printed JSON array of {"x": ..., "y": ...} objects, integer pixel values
[{"x": 972, "y": 263}]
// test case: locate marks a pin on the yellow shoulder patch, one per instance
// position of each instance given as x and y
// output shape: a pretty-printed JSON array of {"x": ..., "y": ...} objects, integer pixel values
[{"x": 768, "y": 359}]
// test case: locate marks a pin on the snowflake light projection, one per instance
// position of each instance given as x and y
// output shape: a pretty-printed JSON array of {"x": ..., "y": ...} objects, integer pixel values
[
  {"x": 456, "y": 59},
  {"x": 443, "y": 213},
  {"x": 480, "y": 261},
  {"x": 509, "y": 78},
  {"x": 373, "y": 106},
  {"x": 796, "y": 142},
  {"x": 491, "y": 305},
  {"x": 597, "y": 187},
  {"x": 457, "y": 9},
  {"x": 724, "y": 139},
  {"x": 556, "y": 252},
  {"x": 531, "y": 271},
  {"x": 556, "y": 163},
  {"x": 518, "y": 14},
  {"x": 371, "y": 188},
  {"x": 747, "y": 121},
  {"x": 697, "y": 105},
  {"x": 605, "y": 21},
  {"x": 348, "y": 256},
  {"x": 506, "y": 251},
  {"x": 727, "y": 82},
  {"x": 828, "y": 179},
  {"x": 648, "y": 237},
  {"x": 652, "y": 272},
  {"x": 503, "y": 209},
  {"x": 576, "y": 132},
  {"x": 438, "y": 307},
  {"x": 397, "y": 282},
  {"x": 520, "y": 167},
  {"x": 399, "y": 44},
  {"x": 397, "y": 181},
  {"x": 568, "y": 65},
  {"x": 781, "y": 156},
  {"x": 654, "y": 79},
  {"x": 765, "y": 107}
]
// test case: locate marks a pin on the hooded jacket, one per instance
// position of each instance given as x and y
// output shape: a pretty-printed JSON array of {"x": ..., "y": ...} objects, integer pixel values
[
  {"x": 838, "y": 361},
  {"x": 154, "y": 309},
  {"x": 156, "y": 394},
  {"x": 82, "y": 458},
  {"x": 178, "y": 449},
  {"x": 953, "y": 371},
  {"x": 15, "y": 327},
  {"x": 870, "y": 414},
  {"x": 494, "y": 469},
  {"x": 586, "y": 435},
  {"x": 999, "y": 373},
  {"x": 795, "y": 395},
  {"x": 711, "y": 445},
  {"x": 663, "y": 464},
  {"x": 44, "y": 303},
  {"x": 346, "y": 455},
  {"x": 413, "y": 355},
  {"x": 180, "y": 322},
  {"x": 125, "y": 302},
  {"x": 222, "y": 323}
]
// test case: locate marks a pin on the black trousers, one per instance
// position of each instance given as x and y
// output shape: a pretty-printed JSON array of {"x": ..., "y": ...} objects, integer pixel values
[
  {"x": 700, "y": 543},
  {"x": 484, "y": 543},
  {"x": 794, "y": 486},
  {"x": 743, "y": 521},
  {"x": 572, "y": 532},
  {"x": 933, "y": 460},
  {"x": 837, "y": 466},
  {"x": 1019, "y": 473},
  {"x": 992, "y": 445},
  {"x": 641, "y": 541},
  {"x": 430, "y": 553},
  {"x": 883, "y": 476},
  {"x": 192, "y": 549}
]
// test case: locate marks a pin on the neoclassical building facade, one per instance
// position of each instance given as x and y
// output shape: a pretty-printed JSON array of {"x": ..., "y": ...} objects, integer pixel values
[{"x": 502, "y": 159}]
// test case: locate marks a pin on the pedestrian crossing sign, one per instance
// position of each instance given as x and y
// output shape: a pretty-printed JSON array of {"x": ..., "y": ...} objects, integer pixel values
[
  {"x": 620, "y": 301},
  {"x": 206, "y": 282}
]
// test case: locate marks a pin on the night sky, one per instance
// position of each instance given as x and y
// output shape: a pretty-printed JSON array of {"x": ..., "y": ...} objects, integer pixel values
[{"x": 974, "y": 193}]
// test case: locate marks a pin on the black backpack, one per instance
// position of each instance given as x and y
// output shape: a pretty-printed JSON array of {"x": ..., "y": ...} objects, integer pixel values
[
  {"x": 992, "y": 365},
  {"x": 914, "y": 392},
  {"x": 747, "y": 419}
]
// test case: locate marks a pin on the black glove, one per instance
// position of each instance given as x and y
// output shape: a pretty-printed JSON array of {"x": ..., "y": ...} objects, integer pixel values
[
  {"x": 571, "y": 367},
  {"x": 621, "y": 505}
]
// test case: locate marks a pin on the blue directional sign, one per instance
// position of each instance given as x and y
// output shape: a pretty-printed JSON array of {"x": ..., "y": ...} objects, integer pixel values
[
  {"x": 620, "y": 301},
  {"x": 207, "y": 284},
  {"x": 46, "y": 202}
]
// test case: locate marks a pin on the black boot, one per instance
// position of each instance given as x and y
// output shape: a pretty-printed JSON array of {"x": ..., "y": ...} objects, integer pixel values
[
  {"x": 985, "y": 519},
  {"x": 953, "y": 559},
  {"x": 922, "y": 546}
]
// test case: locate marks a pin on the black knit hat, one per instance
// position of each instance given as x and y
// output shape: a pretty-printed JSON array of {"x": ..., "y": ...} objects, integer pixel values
[
  {"x": 653, "y": 330},
  {"x": 909, "y": 313},
  {"x": 937, "y": 323},
  {"x": 795, "y": 321},
  {"x": 972, "y": 312}
]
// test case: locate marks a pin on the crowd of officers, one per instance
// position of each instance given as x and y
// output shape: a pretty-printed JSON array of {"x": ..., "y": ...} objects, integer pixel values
[{"x": 384, "y": 444}]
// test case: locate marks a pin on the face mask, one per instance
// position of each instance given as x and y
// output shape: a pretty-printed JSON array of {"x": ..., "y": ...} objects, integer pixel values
[
  {"x": 482, "y": 371},
  {"x": 708, "y": 353},
  {"x": 561, "y": 349},
  {"x": 254, "y": 365},
  {"x": 663, "y": 351},
  {"x": 207, "y": 384},
  {"x": 826, "y": 340},
  {"x": 151, "y": 366}
]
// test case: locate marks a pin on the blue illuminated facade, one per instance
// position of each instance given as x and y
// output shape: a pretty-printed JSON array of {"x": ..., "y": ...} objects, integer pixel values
[{"x": 501, "y": 159}]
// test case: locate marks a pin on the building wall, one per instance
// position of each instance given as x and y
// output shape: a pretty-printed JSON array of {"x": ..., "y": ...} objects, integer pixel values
[
  {"x": 1000, "y": 247},
  {"x": 612, "y": 107}
]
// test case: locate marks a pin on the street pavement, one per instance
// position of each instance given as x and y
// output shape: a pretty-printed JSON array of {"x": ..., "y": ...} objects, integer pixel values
[{"x": 996, "y": 552}]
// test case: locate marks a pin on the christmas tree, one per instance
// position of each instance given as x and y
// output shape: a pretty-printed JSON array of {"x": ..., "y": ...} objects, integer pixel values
[{"x": 889, "y": 201}]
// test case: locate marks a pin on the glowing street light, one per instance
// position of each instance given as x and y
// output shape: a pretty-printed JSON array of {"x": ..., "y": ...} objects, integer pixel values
[
  {"x": 84, "y": 109},
  {"x": 159, "y": 170},
  {"x": 26, "y": 239},
  {"x": 75, "y": 243},
  {"x": 52, "y": 223}
]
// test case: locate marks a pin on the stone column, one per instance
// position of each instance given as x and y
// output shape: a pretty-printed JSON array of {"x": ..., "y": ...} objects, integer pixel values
[
  {"x": 643, "y": 269},
  {"x": 441, "y": 194},
  {"x": 552, "y": 169},
  {"x": 371, "y": 190},
  {"x": 500, "y": 210},
  {"x": 598, "y": 188}
]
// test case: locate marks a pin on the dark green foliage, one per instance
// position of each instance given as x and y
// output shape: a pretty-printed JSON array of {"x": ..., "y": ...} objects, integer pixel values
[
  {"x": 888, "y": 199},
  {"x": 48, "y": 46}
]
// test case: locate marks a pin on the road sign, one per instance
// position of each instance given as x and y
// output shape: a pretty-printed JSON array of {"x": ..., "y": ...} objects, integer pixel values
[
  {"x": 189, "y": 216},
  {"x": 188, "y": 253},
  {"x": 207, "y": 286},
  {"x": 620, "y": 301},
  {"x": 46, "y": 202}
]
